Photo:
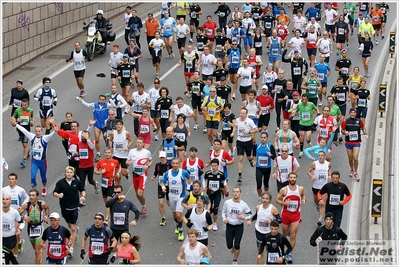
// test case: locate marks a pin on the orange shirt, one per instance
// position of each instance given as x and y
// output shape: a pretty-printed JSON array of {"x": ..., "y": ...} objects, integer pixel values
[
  {"x": 376, "y": 16},
  {"x": 151, "y": 26},
  {"x": 111, "y": 167},
  {"x": 283, "y": 17}
]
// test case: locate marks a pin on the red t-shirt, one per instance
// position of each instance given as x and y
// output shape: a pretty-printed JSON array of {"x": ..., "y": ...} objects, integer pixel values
[
  {"x": 111, "y": 167},
  {"x": 209, "y": 28},
  {"x": 343, "y": 127},
  {"x": 265, "y": 101}
]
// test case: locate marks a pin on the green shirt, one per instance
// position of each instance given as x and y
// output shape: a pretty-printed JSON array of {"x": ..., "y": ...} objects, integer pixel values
[
  {"x": 351, "y": 9},
  {"x": 335, "y": 111},
  {"x": 312, "y": 92},
  {"x": 25, "y": 115},
  {"x": 306, "y": 116}
]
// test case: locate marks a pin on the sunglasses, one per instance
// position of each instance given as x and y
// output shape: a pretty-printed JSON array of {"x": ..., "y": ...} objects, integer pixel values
[
  {"x": 117, "y": 192},
  {"x": 98, "y": 218},
  {"x": 284, "y": 150}
]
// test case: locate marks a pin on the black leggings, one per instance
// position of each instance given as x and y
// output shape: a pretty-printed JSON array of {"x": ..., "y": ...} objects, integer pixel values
[
  {"x": 295, "y": 126},
  {"x": 278, "y": 108},
  {"x": 234, "y": 233},
  {"x": 297, "y": 81},
  {"x": 83, "y": 172},
  {"x": 149, "y": 38},
  {"x": 215, "y": 199},
  {"x": 127, "y": 33},
  {"x": 262, "y": 173},
  {"x": 223, "y": 23},
  {"x": 165, "y": 123}
]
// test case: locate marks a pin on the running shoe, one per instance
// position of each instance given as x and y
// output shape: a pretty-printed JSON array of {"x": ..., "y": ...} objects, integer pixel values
[
  {"x": 347, "y": 45},
  {"x": 277, "y": 129},
  {"x": 289, "y": 258},
  {"x": 376, "y": 42},
  {"x": 177, "y": 230},
  {"x": 156, "y": 138},
  {"x": 156, "y": 76},
  {"x": 300, "y": 154},
  {"x": 352, "y": 172},
  {"x": 96, "y": 188},
  {"x": 23, "y": 163},
  {"x": 113, "y": 258},
  {"x": 21, "y": 245},
  {"x": 168, "y": 56},
  {"x": 227, "y": 194},
  {"x": 252, "y": 162},
  {"x": 235, "y": 262},
  {"x": 340, "y": 138},
  {"x": 180, "y": 237},
  {"x": 357, "y": 177},
  {"x": 204, "y": 130},
  {"x": 239, "y": 179},
  {"x": 233, "y": 96},
  {"x": 310, "y": 144},
  {"x": 320, "y": 104},
  {"x": 320, "y": 222},
  {"x": 44, "y": 191},
  {"x": 98, "y": 157},
  {"x": 215, "y": 227},
  {"x": 173, "y": 55},
  {"x": 144, "y": 211},
  {"x": 382, "y": 36},
  {"x": 196, "y": 127},
  {"x": 163, "y": 222},
  {"x": 70, "y": 254},
  {"x": 82, "y": 93}
]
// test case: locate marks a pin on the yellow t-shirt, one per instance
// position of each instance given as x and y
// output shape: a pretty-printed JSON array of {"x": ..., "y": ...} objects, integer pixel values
[
  {"x": 181, "y": 8},
  {"x": 212, "y": 105}
]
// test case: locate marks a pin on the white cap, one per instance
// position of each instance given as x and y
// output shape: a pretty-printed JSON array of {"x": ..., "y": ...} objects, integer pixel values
[
  {"x": 162, "y": 154},
  {"x": 54, "y": 215}
]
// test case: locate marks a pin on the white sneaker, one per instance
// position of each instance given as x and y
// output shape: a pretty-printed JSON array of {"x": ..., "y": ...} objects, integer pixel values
[
  {"x": 168, "y": 56},
  {"x": 233, "y": 96},
  {"x": 196, "y": 127},
  {"x": 70, "y": 252},
  {"x": 320, "y": 104},
  {"x": 215, "y": 227},
  {"x": 173, "y": 55},
  {"x": 204, "y": 130},
  {"x": 156, "y": 138}
]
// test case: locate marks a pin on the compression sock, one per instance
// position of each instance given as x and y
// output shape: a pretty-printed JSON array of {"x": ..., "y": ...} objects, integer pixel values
[{"x": 301, "y": 146}]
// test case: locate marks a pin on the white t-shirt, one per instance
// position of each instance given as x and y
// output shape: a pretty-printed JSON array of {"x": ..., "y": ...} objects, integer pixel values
[
  {"x": 18, "y": 195},
  {"x": 185, "y": 109},
  {"x": 324, "y": 45},
  {"x": 296, "y": 43},
  {"x": 127, "y": 18},
  {"x": 154, "y": 95},
  {"x": 115, "y": 59},
  {"x": 139, "y": 159},
  {"x": 316, "y": 26},
  {"x": 207, "y": 64},
  {"x": 158, "y": 44},
  {"x": 300, "y": 23},
  {"x": 330, "y": 16},
  {"x": 8, "y": 220},
  {"x": 246, "y": 125},
  {"x": 138, "y": 100},
  {"x": 181, "y": 30},
  {"x": 246, "y": 80}
]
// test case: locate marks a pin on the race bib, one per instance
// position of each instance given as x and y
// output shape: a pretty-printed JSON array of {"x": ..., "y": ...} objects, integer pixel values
[
  {"x": 235, "y": 60},
  {"x": 211, "y": 112},
  {"x": 168, "y": 28},
  {"x": 313, "y": 89},
  {"x": 119, "y": 218},
  {"x": 361, "y": 102},
  {"x": 353, "y": 136},
  {"x": 84, "y": 153},
  {"x": 219, "y": 47},
  {"x": 195, "y": 88},
  {"x": 341, "y": 97},
  {"x": 132, "y": 60},
  {"x": 97, "y": 248},
  {"x": 297, "y": 70},
  {"x": 320, "y": 76},
  {"x": 24, "y": 120},
  {"x": 293, "y": 206},
  {"x": 344, "y": 70},
  {"x": 263, "y": 161},
  {"x": 112, "y": 71},
  {"x": 209, "y": 32},
  {"x": 125, "y": 73},
  {"x": 274, "y": 51},
  {"x": 46, "y": 101},
  {"x": 265, "y": 111},
  {"x": 55, "y": 250},
  {"x": 222, "y": 14},
  {"x": 200, "y": 45},
  {"x": 17, "y": 103},
  {"x": 323, "y": 133},
  {"x": 354, "y": 85},
  {"x": 181, "y": 137},
  {"x": 144, "y": 129},
  {"x": 214, "y": 185},
  {"x": 189, "y": 64},
  {"x": 341, "y": 31},
  {"x": 193, "y": 15},
  {"x": 174, "y": 190},
  {"x": 305, "y": 116},
  {"x": 258, "y": 44},
  {"x": 104, "y": 182},
  {"x": 272, "y": 257},
  {"x": 268, "y": 25},
  {"x": 164, "y": 114},
  {"x": 226, "y": 126},
  {"x": 160, "y": 178},
  {"x": 119, "y": 145},
  {"x": 6, "y": 226},
  {"x": 334, "y": 200},
  {"x": 169, "y": 153}
]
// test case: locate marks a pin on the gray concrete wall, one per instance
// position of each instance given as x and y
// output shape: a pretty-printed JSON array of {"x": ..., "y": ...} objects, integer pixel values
[{"x": 29, "y": 29}]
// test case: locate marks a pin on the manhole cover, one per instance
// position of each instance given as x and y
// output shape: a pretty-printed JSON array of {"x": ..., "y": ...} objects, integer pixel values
[
  {"x": 56, "y": 56},
  {"x": 28, "y": 68}
]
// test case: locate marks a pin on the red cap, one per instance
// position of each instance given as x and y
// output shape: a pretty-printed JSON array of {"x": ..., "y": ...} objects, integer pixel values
[
  {"x": 295, "y": 93},
  {"x": 360, "y": 13}
]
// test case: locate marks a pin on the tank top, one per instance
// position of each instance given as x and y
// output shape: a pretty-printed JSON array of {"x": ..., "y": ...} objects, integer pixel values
[
  {"x": 355, "y": 81},
  {"x": 252, "y": 109},
  {"x": 181, "y": 133},
  {"x": 253, "y": 64},
  {"x": 144, "y": 126},
  {"x": 176, "y": 186},
  {"x": 35, "y": 226},
  {"x": 258, "y": 42},
  {"x": 193, "y": 169},
  {"x": 199, "y": 221},
  {"x": 169, "y": 149},
  {"x": 192, "y": 256},
  {"x": 321, "y": 174},
  {"x": 313, "y": 83},
  {"x": 295, "y": 199},
  {"x": 275, "y": 49},
  {"x": 284, "y": 167},
  {"x": 220, "y": 158},
  {"x": 262, "y": 159},
  {"x": 77, "y": 61},
  {"x": 125, "y": 253},
  {"x": 264, "y": 214},
  {"x": 120, "y": 142},
  {"x": 285, "y": 140}
]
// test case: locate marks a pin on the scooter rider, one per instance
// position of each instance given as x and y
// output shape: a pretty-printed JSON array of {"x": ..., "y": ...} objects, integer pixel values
[{"x": 101, "y": 26}]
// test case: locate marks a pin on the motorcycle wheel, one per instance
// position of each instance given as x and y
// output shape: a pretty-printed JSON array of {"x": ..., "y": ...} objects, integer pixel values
[{"x": 90, "y": 51}]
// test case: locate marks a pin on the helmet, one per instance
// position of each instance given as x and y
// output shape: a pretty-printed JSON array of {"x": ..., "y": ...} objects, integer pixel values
[
  {"x": 205, "y": 260},
  {"x": 100, "y": 12}
]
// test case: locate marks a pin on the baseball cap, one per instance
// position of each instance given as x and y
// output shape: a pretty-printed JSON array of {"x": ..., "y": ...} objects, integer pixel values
[
  {"x": 19, "y": 81},
  {"x": 200, "y": 197},
  {"x": 296, "y": 51},
  {"x": 265, "y": 86},
  {"x": 193, "y": 148},
  {"x": 360, "y": 13},
  {"x": 295, "y": 93},
  {"x": 270, "y": 65},
  {"x": 54, "y": 216},
  {"x": 125, "y": 55},
  {"x": 162, "y": 154},
  {"x": 352, "y": 109},
  {"x": 329, "y": 214},
  {"x": 117, "y": 46},
  {"x": 223, "y": 78}
]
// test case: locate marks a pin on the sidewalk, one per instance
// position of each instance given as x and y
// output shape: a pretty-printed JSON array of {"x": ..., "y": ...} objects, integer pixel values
[{"x": 33, "y": 72}]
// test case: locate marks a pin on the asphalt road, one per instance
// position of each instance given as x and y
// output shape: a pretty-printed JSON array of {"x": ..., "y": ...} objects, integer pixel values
[{"x": 159, "y": 244}]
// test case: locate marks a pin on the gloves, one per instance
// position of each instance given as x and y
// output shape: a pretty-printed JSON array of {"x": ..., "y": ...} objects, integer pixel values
[
  {"x": 305, "y": 73},
  {"x": 189, "y": 224},
  {"x": 126, "y": 261},
  {"x": 55, "y": 103},
  {"x": 109, "y": 250},
  {"x": 40, "y": 99},
  {"x": 82, "y": 254},
  {"x": 205, "y": 229},
  {"x": 112, "y": 259}
]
